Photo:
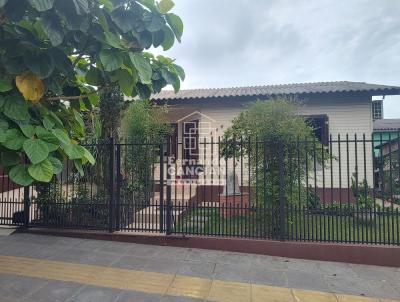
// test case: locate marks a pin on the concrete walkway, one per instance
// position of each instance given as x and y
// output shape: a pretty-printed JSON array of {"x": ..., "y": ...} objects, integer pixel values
[{"x": 44, "y": 268}]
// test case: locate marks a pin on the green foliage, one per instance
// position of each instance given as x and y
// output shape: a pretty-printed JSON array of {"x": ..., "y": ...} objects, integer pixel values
[
  {"x": 273, "y": 130},
  {"x": 361, "y": 191},
  {"x": 144, "y": 126},
  {"x": 56, "y": 56}
]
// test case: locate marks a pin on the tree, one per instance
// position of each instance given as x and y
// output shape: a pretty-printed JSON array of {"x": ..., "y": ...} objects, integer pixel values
[
  {"x": 268, "y": 132},
  {"x": 145, "y": 127},
  {"x": 57, "y": 56}
]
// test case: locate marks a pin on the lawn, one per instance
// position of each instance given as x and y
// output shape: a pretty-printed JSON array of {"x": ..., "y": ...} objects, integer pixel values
[{"x": 299, "y": 224}]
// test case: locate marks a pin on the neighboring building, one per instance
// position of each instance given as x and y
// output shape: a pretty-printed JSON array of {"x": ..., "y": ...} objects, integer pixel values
[
  {"x": 335, "y": 109},
  {"x": 385, "y": 130},
  {"x": 386, "y": 146}
]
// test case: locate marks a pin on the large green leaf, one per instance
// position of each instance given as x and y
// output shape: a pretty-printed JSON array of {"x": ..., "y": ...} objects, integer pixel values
[
  {"x": 5, "y": 84},
  {"x": 165, "y": 6},
  {"x": 88, "y": 156},
  {"x": 74, "y": 151},
  {"x": 57, "y": 164},
  {"x": 171, "y": 78},
  {"x": 42, "y": 171},
  {"x": 143, "y": 67},
  {"x": 19, "y": 174},
  {"x": 10, "y": 158},
  {"x": 126, "y": 81},
  {"x": 36, "y": 150},
  {"x": 14, "y": 139},
  {"x": 157, "y": 22},
  {"x": 62, "y": 136},
  {"x": 42, "y": 65},
  {"x": 110, "y": 60},
  {"x": 28, "y": 130},
  {"x": 78, "y": 166},
  {"x": 51, "y": 140},
  {"x": 176, "y": 24},
  {"x": 63, "y": 63},
  {"x": 179, "y": 70},
  {"x": 94, "y": 77},
  {"x": 52, "y": 28},
  {"x": 15, "y": 108},
  {"x": 42, "y": 5},
  {"x": 169, "y": 39},
  {"x": 125, "y": 19}
]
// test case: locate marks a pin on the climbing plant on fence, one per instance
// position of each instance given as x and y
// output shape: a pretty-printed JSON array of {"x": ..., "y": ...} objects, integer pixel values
[{"x": 57, "y": 56}]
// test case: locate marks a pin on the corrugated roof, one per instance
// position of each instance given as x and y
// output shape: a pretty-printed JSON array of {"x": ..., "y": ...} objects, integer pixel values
[
  {"x": 273, "y": 90},
  {"x": 387, "y": 124}
]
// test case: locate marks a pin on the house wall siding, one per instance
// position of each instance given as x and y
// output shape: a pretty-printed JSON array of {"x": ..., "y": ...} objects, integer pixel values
[{"x": 347, "y": 116}]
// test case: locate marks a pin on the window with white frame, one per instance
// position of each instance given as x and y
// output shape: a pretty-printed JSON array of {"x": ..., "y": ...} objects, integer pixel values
[{"x": 377, "y": 110}]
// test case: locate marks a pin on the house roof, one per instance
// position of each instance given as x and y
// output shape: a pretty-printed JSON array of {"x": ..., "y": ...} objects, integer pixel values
[
  {"x": 387, "y": 124},
  {"x": 275, "y": 90}
]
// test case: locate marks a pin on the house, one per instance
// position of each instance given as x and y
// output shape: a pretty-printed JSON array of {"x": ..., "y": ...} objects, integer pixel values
[
  {"x": 338, "y": 111},
  {"x": 385, "y": 130}
]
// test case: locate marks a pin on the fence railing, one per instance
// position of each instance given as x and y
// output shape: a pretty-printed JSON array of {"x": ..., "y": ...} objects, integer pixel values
[{"x": 346, "y": 191}]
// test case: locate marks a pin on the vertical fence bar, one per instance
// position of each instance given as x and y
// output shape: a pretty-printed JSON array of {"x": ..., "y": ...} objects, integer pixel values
[
  {"x": 169, "y": 192},
  {"x": 161, "y": 188},
  {"x": 26, "y": 206},
  {"x": 282, "y": 218},
  {"x": 111, "y": 204},
  {"x": 118, "y": 188}
]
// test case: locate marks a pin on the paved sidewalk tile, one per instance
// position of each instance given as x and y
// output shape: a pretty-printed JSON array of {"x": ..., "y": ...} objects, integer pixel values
[{"x": 39, "y": 268}]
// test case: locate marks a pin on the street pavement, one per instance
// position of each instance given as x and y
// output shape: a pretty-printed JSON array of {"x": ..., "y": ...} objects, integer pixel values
[{"x": 59, "y": 269}]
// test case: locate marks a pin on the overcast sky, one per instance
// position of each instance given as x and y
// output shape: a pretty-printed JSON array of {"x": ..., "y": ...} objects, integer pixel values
[{"x": 258, "y": 42}]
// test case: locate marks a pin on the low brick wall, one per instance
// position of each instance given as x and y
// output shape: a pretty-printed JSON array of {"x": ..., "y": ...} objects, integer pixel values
[{"x": 350, "y": 253}]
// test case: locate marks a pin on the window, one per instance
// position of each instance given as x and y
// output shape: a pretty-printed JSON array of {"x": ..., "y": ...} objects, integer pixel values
[
  {"x": 174, "y": 140},
  {"x": 377, "y": 110},
  {"x": 190, "y": 139},
  {"x": 320, "y": 124}
]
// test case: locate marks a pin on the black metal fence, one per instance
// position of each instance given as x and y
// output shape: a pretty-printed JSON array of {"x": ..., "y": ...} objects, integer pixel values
[{"x": 346, "y": 191}]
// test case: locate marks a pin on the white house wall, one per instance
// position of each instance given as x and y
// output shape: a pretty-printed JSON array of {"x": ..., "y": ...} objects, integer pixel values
[{"x": 347, "y": 116}]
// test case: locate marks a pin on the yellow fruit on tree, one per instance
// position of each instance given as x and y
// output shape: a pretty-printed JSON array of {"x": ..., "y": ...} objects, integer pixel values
[{"x": 31, "y": 87}]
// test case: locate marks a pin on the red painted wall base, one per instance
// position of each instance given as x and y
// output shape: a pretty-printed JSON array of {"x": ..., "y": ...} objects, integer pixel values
[{"x": 350, "y": 253}]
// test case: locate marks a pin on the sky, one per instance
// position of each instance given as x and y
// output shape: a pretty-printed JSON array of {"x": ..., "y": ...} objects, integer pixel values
[{"x": 259, "y": 42}]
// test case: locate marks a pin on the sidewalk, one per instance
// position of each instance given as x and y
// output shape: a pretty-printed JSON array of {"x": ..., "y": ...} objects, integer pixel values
[{"x": 45, "y": 268}]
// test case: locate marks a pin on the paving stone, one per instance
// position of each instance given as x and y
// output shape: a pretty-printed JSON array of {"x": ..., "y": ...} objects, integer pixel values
[
  {"x": 269, "y": 262},
  {"x": 179, "y": 299},
  {"x": 383, "y": 289},
  {"x": 54, "y": 291},
  {"x": 337, "y": 269},
  {"x": 20, "y": 287},
  {"x": 350, "y": 286},
  {"x": 203, "y": 255},
  {"x": 143, "y": 250},
  {"x": 374, "y": 273},
  {"x": 169, "y": 252},
  {"x": 96, "y": 294},
  {"x": 233, "y": 272},
  {"x": 305, "y": 280},
  {"x": 168, "y": 266},
  {"x": 131, "y": 262},
  {"x": 114, "y": 247},
  {"x": 196, "y": 268},
  {"x": 90, "y": 245},
  {"x": 138, "y": 296},
  {"x": 86, "y": 257},
  {"x": 302, "y": 265},
  {"x": 268, "y": 277},
  {"x": 234, "y": 258}
]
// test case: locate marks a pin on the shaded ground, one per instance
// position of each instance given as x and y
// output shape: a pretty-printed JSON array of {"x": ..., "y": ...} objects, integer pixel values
[{"x": 372, "y": 281}]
